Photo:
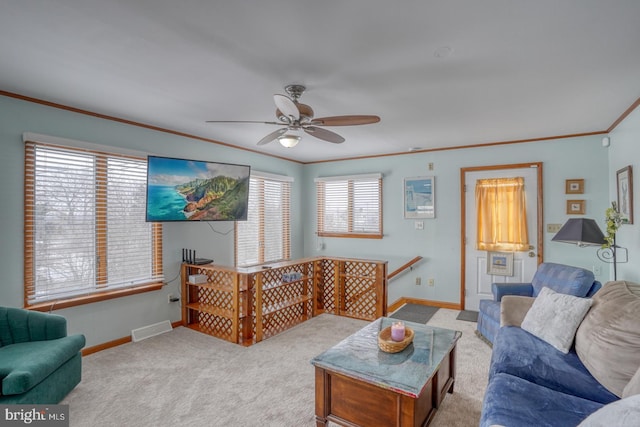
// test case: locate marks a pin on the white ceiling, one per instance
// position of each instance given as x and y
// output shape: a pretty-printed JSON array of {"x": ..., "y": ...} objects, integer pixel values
[{"x": 517, "y": 69}]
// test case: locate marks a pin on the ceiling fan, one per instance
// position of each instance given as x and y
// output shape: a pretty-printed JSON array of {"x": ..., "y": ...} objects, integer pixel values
[{"x": 295, "y": 116}]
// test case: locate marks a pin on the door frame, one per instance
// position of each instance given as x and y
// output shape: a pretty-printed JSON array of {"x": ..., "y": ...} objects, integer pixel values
[{"x": 463, "y": 214}]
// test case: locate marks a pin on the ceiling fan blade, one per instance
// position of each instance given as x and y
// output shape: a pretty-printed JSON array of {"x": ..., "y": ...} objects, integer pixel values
[
  {"x": 245, "y": 121},
  {"x": 287, "y": 106},
  {"x": 272, "y": 136},
  {"x": 345, "y": 120},
  {"x": 324, "y": 134}
]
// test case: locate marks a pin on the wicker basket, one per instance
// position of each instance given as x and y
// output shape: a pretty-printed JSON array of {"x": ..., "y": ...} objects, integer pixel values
[{"x": 387, "y": 345}]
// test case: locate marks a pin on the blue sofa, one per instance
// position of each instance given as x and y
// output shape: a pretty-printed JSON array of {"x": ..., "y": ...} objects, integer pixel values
[
  {"x": 561, "y": 278},
  {"x": 39, "y": 363},
  {"x": 531, "y": 383}
]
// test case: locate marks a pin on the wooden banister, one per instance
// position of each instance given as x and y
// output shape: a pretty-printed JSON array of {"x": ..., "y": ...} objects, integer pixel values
[{"x": 403, "y": 267}]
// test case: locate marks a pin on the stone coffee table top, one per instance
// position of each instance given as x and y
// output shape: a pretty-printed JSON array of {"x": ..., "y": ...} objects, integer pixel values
[{"x": 406, "y": 372}]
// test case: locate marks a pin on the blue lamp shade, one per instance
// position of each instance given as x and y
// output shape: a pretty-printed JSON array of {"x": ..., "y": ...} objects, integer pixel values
[{"x": 580, "y": 231}]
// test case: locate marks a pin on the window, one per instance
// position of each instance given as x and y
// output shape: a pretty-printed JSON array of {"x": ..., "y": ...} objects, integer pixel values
[
  {"x": 502, "y": 214},
  {"x": 265, "y": 235},
  {"x": 86, "y": 238},
  {"x": 350, "y": 206}
]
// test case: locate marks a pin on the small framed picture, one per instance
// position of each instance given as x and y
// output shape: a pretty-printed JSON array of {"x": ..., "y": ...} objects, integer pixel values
[
  {"x": 624, "y": 180},
  {"x": 574, "y": 186},
  {"x": 500, "y": 263},
  {"x": 419, "y": 197},
  {"x": 576, "y": 207}
]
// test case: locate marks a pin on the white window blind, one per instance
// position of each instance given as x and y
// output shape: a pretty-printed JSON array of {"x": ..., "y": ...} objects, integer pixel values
[
  {"x": 265, "y": 235},
  {"x": 350, "y": 206},
  {"x": 85, "y": 229}
]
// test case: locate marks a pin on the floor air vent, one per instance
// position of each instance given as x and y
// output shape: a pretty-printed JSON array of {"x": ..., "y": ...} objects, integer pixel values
[{"x": 150, "y": 331}]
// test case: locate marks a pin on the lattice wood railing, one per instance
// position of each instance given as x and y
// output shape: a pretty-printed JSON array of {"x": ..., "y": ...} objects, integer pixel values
[
  {"x": 215, "y": 307},
  {"x": 353, "y": 288},
  {"x": 248, "y": 305},
  {"x": 283, "y": 304}
]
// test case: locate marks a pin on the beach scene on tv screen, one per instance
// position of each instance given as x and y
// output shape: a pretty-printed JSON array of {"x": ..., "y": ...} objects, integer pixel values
[{"x": 190, "y": 190}]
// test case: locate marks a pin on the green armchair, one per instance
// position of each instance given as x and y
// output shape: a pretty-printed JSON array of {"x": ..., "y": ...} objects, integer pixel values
[{"x": 39, "y": 363}]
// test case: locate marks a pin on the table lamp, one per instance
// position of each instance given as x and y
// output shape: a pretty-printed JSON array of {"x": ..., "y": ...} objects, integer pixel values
[{"x": 585, "y": 232}]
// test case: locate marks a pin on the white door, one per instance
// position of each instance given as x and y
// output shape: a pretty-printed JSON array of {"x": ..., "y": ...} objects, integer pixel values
[{"x": 477, "y": 284}]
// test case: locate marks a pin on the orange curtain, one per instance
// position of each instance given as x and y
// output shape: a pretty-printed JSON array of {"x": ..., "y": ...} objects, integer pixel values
[{"x": 502, "y": 215}]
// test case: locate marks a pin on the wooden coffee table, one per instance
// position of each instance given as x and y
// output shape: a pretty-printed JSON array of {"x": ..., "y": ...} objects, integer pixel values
[{"x": 357, "y": 384}]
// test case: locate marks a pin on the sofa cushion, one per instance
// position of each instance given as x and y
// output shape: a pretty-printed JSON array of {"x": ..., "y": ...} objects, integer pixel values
[
  {"x": 513, "y": 309},
  {"x": 517, "y": 352},
  {"x": 24, "y": 365},
  {"x": 608, "y": 340},
  {"x": 554, "y": 317},
  {"x": 562, "y": 278},
  {"x": 625, "y": 412},
  {"x": 514, "y": 402}
]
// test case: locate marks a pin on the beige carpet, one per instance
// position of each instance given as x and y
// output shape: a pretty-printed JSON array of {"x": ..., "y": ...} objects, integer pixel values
[{"x": 185, "y": 378}]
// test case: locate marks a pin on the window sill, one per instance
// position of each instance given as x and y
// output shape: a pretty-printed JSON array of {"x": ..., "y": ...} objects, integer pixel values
[
  {"x": 95, "y": 297},
  {"x": 352, "y": 235}
]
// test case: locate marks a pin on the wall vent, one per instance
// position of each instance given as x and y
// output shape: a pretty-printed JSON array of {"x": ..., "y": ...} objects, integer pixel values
[{"x": 151, "y": 331}]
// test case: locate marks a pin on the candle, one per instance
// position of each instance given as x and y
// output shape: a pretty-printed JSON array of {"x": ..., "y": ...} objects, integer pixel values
[{"x": 397, "y": 331}]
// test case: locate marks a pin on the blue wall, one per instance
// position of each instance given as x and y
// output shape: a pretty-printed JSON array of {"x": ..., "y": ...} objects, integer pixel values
[
  {"x": 625, "y": 151},
  {"x": 438, "y": 243},
  {"x": 109, "y": 320}
]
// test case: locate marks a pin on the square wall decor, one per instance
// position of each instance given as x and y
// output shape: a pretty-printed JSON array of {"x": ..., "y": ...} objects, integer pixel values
[
  {"x": 576, "y": 207},
  {"x": 574, "y": 186}
]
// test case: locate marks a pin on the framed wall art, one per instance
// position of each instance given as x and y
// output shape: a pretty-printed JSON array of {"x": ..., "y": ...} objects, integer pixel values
[
  {"x": 624, "y": 180},
  {"x": 576, "y": 207},
  {"x": 419, "y": 197},
  {"x": 500, "y": 263},
  {"x": 574, "y": 186}
]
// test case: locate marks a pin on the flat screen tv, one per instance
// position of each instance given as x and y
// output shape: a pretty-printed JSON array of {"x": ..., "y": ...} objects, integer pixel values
[{"x": 193, "y": 190}]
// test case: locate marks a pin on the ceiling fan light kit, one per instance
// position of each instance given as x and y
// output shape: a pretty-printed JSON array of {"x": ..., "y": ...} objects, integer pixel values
[
  {"x": 296, "y": 116},
  {"x": 289, "y": 141}
]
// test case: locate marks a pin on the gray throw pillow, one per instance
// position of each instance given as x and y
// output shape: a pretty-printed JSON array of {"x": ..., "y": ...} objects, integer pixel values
[
  {"x": 608, "y": 340},
  {"x": 555, "y": 317}
]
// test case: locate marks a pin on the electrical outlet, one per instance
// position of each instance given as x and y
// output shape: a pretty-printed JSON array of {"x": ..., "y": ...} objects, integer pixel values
[
  {"x": 419, "y": 225},
  {"x": 553, "y": 228},
  {"x": 418, "y": 281},
  {"x": 596, "y": 270},
  {"x": 431, "y": 282}
]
